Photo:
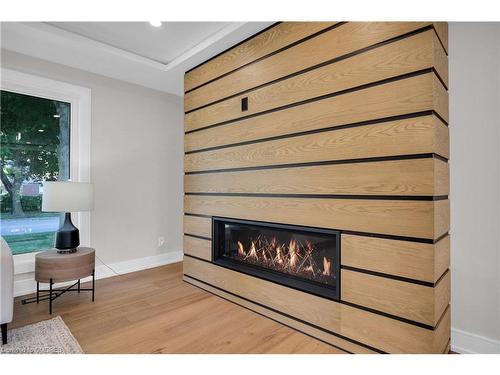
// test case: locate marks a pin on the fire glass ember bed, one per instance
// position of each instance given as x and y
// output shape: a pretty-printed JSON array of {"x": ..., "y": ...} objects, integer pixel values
[{"x": 303, "y": 258}]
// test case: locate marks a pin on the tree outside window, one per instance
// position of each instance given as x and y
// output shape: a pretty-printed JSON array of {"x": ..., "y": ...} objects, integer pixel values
[{"x": 35, "y": 142}]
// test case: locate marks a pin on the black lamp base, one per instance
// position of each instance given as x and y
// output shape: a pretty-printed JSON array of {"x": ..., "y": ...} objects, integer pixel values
[
  {"x": 66, "y": 251},
  {"x": 67, "y": 237}
]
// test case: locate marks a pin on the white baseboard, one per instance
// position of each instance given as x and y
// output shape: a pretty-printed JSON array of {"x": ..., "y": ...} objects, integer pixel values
[
  {"x": 28, "y": 286},
  {"x": 470, "y": 343}
]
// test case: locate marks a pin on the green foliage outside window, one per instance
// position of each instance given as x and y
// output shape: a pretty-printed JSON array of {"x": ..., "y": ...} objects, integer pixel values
[{"x": 35, "y": 141}]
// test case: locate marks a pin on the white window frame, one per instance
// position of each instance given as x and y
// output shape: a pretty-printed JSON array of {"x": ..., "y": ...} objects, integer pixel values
[{"x": 80, "y": 135}]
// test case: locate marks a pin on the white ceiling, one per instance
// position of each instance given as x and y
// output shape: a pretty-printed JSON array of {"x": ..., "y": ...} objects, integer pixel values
[
  {"x": 135, "y": 52},
  {"x": 162, "y": 44}
]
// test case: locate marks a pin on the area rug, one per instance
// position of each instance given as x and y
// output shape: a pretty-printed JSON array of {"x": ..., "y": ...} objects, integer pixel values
[{"x": 46, "y": 337}]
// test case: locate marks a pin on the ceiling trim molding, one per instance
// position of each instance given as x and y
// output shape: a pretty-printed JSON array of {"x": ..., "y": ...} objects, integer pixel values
[
  {"x": 225, "y": 31},
  {"x": 88, "y": 43},
  {"x": 51, "y": 43},
  {"x": 56, "y": 32}
]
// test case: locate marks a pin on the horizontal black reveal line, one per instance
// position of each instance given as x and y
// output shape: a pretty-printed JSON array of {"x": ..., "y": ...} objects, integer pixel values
[
  {"x": 440, "y": 237},
  {"x": 356, "y": 233},
  {"x": 327, "y": 196},
  {"x": 439, "y": 197},
  {"x": 234, "y": 46},
  {"x": 196, "y": 236},
  {"x": 198, "y": 215},
  {"x": 378, "y": 312},
  {"x": 203, "y": 260},
  {"x": 259, "y": 313},
  {"x": 274, "y": 281},
  {"x": 442, "y": 158},
  {"x": 442, "y": 276},
  {"x": 390, "y": 316},
  {"x": 317, "y": 66},
  {"x": 442, "y": 315},
  {"x": 317, "y": 163},
  {"x": 315, "y": 131},
  {"x": 441, "y": 118},
  {"x": 317, "y": 98},
  {"x": 448, "y": 343},
  {"x": 289, "y": 316},
  {"x": 388, "y": 236},
  {"x": 440, "y": 41},
  {"x": 389, "y": 276},
  {"x": 293, "y": 44},
  {"x": 440, "y": 79},
  {"x": 197, "y": 258},
  {"x": 365, "y": 234}
]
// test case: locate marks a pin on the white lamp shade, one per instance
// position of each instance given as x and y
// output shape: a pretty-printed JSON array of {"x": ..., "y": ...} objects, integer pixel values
[{"x": 67, "y": 196}]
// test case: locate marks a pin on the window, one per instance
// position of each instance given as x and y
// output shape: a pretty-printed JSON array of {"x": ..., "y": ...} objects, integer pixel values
[
  {"x": 35, "y": 147},
  {"x": 78, "y": 99}
]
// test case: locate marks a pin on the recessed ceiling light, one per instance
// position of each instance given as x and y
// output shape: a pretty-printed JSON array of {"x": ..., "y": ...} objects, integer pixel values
[
  {"x": 56, "y": 116},
  {"x": 155, "y": 23}
]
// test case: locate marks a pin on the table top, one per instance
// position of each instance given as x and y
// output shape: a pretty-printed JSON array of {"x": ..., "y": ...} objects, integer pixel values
[
  {"x": 51, "y": 265},
  {"x": 53, "y": 254}
]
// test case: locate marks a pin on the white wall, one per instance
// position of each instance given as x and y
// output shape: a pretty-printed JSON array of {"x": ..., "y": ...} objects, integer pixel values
[
  {"x": 474, "y": 63},
  {"x": 137, "y": 164}
]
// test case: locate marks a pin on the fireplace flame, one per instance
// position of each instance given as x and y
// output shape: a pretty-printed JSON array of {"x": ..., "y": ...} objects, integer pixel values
[
  {"x": 309, "y": 268},
  {"x": 241, "y": 249},
  {"x": 292, "y": 250},
  {"x": 326, "y": 267},
  {"x": 309, "y": 247},
  {"x": 253, "y": 251},
  {"x": 293, "y": 257},
  {"x": 279, "y": 258}
]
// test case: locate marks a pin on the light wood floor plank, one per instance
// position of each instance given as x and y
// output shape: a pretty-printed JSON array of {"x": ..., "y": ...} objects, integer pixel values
[{"x": 154, "y": 311}]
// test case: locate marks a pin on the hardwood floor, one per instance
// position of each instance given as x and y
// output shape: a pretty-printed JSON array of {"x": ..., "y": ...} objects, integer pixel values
[{"x": 154, "y": 311}]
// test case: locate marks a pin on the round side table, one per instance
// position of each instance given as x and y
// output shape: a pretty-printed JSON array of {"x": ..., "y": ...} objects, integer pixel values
[{"x": 52, "y": 267}]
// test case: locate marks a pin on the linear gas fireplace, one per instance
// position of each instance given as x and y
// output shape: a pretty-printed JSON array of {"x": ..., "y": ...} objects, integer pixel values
[{"x": 304, "y": 258}]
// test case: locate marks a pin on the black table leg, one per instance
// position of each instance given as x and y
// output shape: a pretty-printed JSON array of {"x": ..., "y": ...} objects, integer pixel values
[
  {"x": 4, "y": 333},
  {"x": 50, "y": 298},
  {"x": 51, "y": 294}
]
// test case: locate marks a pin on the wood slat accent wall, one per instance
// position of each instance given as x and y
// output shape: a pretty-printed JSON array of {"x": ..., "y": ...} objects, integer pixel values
[
  {"x": 417, "y": 177},
  {"x": 346, "y": 128},
  {"x": 401, "y": 57},
  {"x": 409, "y": 136},
  {"x": 406, "y": 218},
  {"x": 265, "y": 43},
  {"x": 371, "y": 330},
  {"x": 387, "y": 100}
]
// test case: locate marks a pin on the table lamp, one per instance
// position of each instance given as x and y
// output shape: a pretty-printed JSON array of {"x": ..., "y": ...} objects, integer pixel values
[{"x": 67, "y": 197}]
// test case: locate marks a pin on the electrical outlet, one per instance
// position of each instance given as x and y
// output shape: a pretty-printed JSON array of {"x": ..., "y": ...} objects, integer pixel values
[{"x": 161, "y": 241}]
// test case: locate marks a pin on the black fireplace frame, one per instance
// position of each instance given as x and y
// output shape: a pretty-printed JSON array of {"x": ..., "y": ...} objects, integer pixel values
[{"x": 295, "y": 282}]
